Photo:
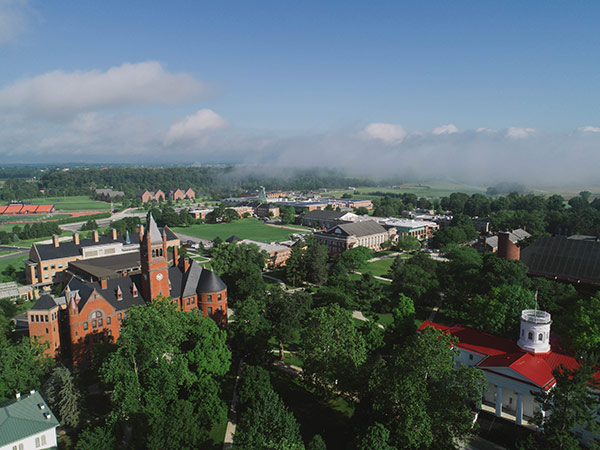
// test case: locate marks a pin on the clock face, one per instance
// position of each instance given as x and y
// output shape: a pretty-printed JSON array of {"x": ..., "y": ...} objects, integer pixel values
[{"x": 159, "y": 276}]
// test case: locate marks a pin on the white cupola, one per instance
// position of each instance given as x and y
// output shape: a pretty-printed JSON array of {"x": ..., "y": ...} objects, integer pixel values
[{"x": 535, "y": 331}]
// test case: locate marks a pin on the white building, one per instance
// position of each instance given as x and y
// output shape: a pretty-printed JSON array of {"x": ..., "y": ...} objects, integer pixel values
[
  {"x": 26, "y": 423},
  {"x": 514, "y": 370}
]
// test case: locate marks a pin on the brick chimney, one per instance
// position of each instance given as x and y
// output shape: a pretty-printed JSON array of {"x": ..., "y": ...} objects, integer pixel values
[
  {"x": 175, "y": 255},
  {"x": 141, "y": 232},
  {"x": 55, "y": 240},
  {"x": 186, "y": 264},
  {"x": 95, "y": 236},
  {"x": 103, "y": 284},
  {"x": 506, "y": 249},
  {"x": 76, "y": 238},
  {"x": 114, "y": 233}
]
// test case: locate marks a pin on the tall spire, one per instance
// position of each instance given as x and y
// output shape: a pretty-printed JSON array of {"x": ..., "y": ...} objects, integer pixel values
[{"x": 155, "y": 237}]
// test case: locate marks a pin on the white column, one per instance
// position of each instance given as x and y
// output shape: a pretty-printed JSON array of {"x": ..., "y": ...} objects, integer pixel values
[
  {"x": 519, "y": 408},
  {"x": 499, "y": 401}
]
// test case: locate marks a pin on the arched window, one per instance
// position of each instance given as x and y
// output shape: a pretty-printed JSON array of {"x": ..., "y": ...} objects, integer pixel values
[
  {"x": 540, "y": 337},
  {"x": 530, "y": 336}
]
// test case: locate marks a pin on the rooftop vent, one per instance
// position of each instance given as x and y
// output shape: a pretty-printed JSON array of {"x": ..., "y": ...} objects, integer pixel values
[
  {"x": 47, "y": 416},
  {"x": 41, "y": 406}
]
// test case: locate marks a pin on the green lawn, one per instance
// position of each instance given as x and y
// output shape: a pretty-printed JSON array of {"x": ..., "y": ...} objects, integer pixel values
[
  {"x": 379, "y": 268},
  {"x": 75, "y": 203},
  {"x": 244, "y": 228},
  {"x": 24, "y": 218},
  {"x": 15, "y": 261}
]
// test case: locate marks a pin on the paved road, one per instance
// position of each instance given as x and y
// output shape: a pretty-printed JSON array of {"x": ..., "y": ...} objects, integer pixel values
[
  {"x": 104, "y": 222},
  {"x": 19, "y": 251}
]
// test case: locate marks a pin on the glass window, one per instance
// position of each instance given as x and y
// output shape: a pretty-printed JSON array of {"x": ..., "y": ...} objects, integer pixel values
[
  {"x": 43, "y": 439},
  {"x": 37, "y": 442},
  {"x": 52, "y": 267},
  {"x": 45, "y": 267},
  {"x": 46, "y": 276},
  {"x": 209, "y": 298},
  {"x": 219, "y": 297},
  {"x": 93, "y": 324},
  {"x": 540, "y": 337},
  {"x": 85, "y": 326},
  {"x": 193, "y": 301},
  {"x": 59, "y": 265},
  {"x": 210, "y": 311},
  {"x": 530, "y": 336},
  {"x": 108, "y": 321},
  {"x": 99, "y": 322}
]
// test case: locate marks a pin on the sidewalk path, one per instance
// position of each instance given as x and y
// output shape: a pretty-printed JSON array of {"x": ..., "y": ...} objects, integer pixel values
[{"x": 232, "y": 422}]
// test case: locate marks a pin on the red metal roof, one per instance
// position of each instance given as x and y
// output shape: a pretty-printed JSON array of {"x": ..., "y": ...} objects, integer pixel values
[{"x": 502, "y": 352}]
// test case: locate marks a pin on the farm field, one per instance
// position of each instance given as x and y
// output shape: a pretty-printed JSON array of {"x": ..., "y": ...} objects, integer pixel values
[
  {"x": 244, "y": 228},
  {"x": 75, "y": 203},
  {"x": 431, "y": 190}
]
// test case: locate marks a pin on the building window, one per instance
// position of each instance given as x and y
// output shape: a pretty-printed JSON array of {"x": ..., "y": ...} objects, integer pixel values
[
  {"x": 119, "y": 317},
  {"x": 470, "y": 356},
  {"x": 85, "y": 326},
  {"x": 37, "y": 442},
  {"x": 209, "y": 298},
  {"x": 52, "y": 267},
  {"x": 46, "y": 276},
  {"x": 210, "y": 310},
  {"x": 45, "y": 267},
  {"x": 108, "y": 321},
  {"x": 530, "y": 336},
  {"x": 99, "y": 322},
  {"x": 193, "y": 300},
  {"x": 187, "y": 301},
  {"x": 540, "y": 337},
  {"x": 219, "y": 297},
  {"x": 43, "y": 439},
  {"x": 59, "y": 265},
  {"x": 94, "y": 323}
]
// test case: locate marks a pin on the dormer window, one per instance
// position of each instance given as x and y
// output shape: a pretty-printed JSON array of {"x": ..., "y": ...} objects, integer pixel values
[
  {"x": 134, "y": 290},
  {"x": 119, "y": 293}
]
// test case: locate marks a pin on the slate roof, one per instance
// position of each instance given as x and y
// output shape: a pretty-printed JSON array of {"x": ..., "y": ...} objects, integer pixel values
[
  {"x": 44, "y": 303},
  {"x": 85, "y": 289},
  {"x": 155, "y": 234},
  {"x": 500, "y": 352},
  {"x": 210, "y": 282},
  {"x": 570, "y": 259},
  {"x": 359, "y": 229},
  {"x": 191, "y": 279},
  {"x": 24, "y": 417},
  {"x": 233, "y": 238},
  {"x": 69, "y": 248}
]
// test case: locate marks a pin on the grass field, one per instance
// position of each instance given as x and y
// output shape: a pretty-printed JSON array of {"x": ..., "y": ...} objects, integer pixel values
[
  {"x": 15, "y": 261},
  {"x": 379, "y": 268},
  {"x": 75, "y": 203},
  {"x": 245, "y": 228},
  {"x": 24, "y": 218}
]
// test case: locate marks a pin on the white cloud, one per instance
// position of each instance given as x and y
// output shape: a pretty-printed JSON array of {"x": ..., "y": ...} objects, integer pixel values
[
  {"x": 13, "y": 19},
  {"x": 60, "y": 93},
  {"x": 386, "y": 132},
  {"x": 195, "y": 126},
  {"x": 445, "y": 129},
  {"x": 520, "y": 133},
  {"x": 589, "y": 129},
  {"x": 486, "y": 130}
]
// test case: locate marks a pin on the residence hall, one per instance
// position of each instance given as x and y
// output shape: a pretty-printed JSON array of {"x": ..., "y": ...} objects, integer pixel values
[
  {"x": 181, "y": 194},
  {"x": 514, "y": 370},
  {"x": 345, "y": 236},
  {"x": 47, "y": 262},
  {"x": 147, "y": 196},
  {"x": 26, "y": 422},
  {"x": 92, "y": 311}
]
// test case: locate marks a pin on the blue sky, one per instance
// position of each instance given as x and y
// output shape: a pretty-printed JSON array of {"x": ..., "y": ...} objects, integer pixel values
[{"x": 251, "y": 80}]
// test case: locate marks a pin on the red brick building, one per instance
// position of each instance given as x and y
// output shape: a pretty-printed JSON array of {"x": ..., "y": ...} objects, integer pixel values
[{"x": 93, "y": 312}]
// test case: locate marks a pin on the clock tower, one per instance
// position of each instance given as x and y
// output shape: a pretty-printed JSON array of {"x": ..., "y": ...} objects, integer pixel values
[{"x": 155, "y": 266}]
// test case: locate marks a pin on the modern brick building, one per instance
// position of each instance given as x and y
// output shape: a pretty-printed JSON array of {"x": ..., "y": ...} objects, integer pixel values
[
  {"x": 47, "y": 262},
  {"x": 93, "y": 311},
  {"x": 147, "y": 196}
]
